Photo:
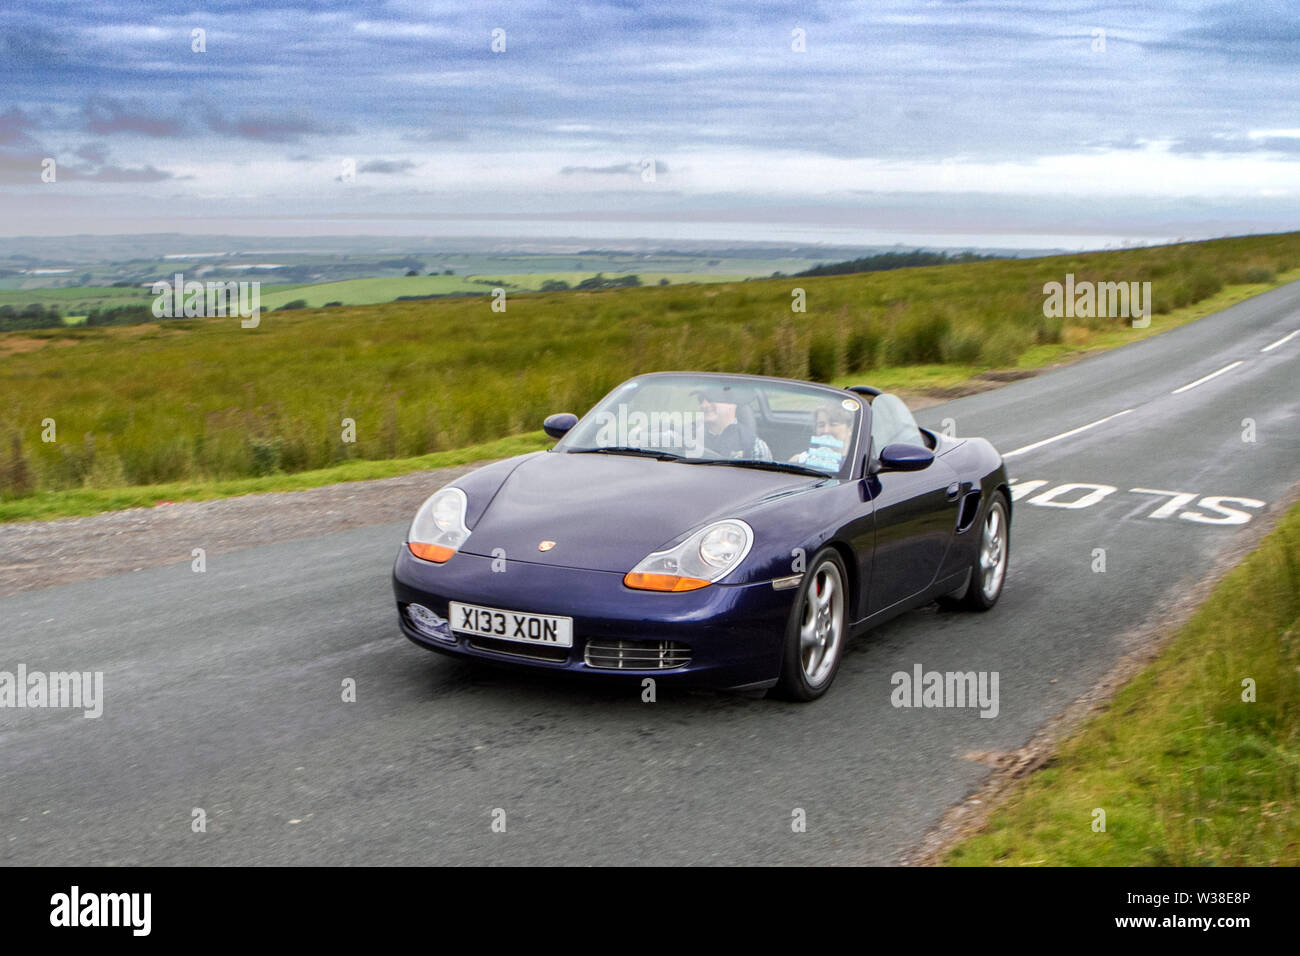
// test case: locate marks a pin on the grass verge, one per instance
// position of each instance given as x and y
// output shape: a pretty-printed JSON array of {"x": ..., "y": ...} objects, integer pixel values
[
  {"x": 1187, "y": 772},
  {"x": 947, "y": 379},
  {"x": 76, "y": 502}
]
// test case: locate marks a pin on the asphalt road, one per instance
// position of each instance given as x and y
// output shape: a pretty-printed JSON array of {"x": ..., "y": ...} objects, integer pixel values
[{"x": 222, "y": 690}]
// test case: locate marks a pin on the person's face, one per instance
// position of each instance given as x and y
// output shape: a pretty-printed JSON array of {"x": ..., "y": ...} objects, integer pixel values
[
  {"x": 840, "y": 431},
  {"x": 821, "y": 424},
  {"x": 717, "y": 415}
]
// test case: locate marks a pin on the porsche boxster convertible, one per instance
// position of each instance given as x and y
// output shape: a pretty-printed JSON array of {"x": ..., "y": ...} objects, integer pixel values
[{"x": 732, "y": 530}]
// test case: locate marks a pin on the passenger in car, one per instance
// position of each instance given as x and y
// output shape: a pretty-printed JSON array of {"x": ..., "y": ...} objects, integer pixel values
[{"x": 832, "y": 429}]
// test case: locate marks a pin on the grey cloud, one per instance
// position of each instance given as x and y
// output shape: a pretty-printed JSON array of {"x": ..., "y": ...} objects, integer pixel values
[
  {"x": 388, "y": 167},
  {"x": 30, "y": 48},
  {"x": 20, "y": 168},
  {"x": 1199, "y": 145},
  {"x": 617, "y": 169},
  {"x": 105, "y": 116},
  {"x": 14, "y": 128},
  {"x": 268, "y": 127},
  {"x": 124, "y": 174},
  {"x": 96, "y": 153},
  {"x": 25, "y": 168}
]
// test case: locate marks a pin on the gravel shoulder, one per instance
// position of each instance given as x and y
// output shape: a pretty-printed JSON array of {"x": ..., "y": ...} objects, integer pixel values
[{"x": 41, "y": 554}]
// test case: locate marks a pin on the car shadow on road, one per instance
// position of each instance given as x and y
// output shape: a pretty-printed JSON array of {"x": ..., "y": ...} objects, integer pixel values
[{"x": 447, "y": 677}]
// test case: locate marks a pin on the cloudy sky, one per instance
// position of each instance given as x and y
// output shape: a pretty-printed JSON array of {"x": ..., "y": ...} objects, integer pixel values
[{"x": 1008, "y": 121}]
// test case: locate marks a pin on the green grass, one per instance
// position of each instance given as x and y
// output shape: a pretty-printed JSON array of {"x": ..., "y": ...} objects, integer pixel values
[
  {"x": 921, "y": 378},
  {"x": 1187, "y": 773},
  {"x": 204, "y": 400},
  {"x": 74, "y": 502},
  {"x": 368, "y": 291},
  {"x": 56, "y": 296},
  {"x": 78, "y": 300},
  {"x": 379, "y": 290}
]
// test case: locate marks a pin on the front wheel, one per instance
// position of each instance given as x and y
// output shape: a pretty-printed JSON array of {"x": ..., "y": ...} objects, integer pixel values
[{"x": 815, "y": 635}]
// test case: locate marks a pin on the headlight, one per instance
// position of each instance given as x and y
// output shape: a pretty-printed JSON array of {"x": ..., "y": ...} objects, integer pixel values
[
  {"x": 706, "y": 556},
  {"x": 439, "y": 529}
]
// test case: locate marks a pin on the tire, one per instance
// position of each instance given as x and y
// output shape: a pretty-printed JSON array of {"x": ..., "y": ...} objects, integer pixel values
[
  {"x": 817, "y": 631},
  {"x": 988, "y": 572}
]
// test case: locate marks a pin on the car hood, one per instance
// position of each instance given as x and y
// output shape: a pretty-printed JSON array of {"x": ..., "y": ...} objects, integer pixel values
[{"x": 607, "y": 512}]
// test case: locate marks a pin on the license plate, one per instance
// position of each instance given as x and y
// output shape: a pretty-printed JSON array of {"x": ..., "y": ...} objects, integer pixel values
[{"x": 502, "y": 625}]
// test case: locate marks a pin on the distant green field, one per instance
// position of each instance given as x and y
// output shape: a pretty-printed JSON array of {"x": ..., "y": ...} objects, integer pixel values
[
  {"x": 370, "y": 291},
  {"x": 373, "y": 291},
  {"x": 79, "y": 300},
  {"x": 206, "y": 399},
  {"x": 612, "y": 263}
]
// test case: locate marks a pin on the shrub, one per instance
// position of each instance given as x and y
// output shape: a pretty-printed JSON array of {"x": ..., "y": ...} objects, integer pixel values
[
  {"x": 962, "y": 346},
  {"x": 864, "y": 347},
  {"x": 15, "y": 473},
  {"x": 267, "y": 454},
  {"x": 1202, "y": 284},
  {"x": 917, "y": 338},
  {"x": 1003, "y": 345},
  {"x": 824, "y": 359}
]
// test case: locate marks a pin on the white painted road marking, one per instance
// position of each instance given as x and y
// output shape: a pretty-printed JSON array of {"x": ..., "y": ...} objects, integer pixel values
[
  {"x": 1095, "y": 493},
  {"x": 1282, "y": 341},
  {"x": 1072, "y": 431},
  {"x": 1178, "y": 504},
  {"x": 1202, "y": 381}
]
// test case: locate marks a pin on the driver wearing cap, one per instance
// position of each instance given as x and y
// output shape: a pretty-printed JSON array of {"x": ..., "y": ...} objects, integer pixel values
[{"x": 723, "y": 434}]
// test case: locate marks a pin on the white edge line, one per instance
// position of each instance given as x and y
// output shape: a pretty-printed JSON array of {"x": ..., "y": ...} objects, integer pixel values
[
  {"x": 1072, "y": 431},
  {"x": 1202, "y": 381},
  {"x": 1282, "y": 341}
]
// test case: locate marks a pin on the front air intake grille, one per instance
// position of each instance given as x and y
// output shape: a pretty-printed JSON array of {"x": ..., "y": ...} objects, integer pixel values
[
  {"x": 637, "y": 655},
  {"x": 556, "y": 655},
  {"x": 970, "y": 507}
]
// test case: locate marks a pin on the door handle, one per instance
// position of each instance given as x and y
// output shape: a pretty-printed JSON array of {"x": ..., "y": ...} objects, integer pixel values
[{"x": 953, "y": 491}]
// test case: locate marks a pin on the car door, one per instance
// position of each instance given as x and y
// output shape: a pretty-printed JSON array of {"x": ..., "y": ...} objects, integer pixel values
[{"x": 915, "y": 511}]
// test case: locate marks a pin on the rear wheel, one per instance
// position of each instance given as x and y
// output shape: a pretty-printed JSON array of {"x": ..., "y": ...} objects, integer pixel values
[
  {"x": 989, "y": 569},
  {"x": 818, "y": 627}
]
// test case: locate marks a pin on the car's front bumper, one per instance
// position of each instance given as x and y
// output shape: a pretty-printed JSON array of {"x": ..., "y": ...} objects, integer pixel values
[{"x": 734, "y": 634}]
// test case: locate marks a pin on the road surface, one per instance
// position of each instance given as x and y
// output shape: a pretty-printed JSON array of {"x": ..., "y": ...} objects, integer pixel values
[{"x": 223, "y": 690}]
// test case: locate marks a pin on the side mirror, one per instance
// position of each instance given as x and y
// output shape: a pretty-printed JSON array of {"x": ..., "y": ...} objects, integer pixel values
[
  {"x": 558, "y": 425},
  {"x": 903, "y": 457}
]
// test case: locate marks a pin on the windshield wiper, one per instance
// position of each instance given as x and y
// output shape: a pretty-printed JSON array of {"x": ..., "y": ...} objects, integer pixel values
[
  {"x": 623, "y": 450},
  {"x": 791, "y": 467}
]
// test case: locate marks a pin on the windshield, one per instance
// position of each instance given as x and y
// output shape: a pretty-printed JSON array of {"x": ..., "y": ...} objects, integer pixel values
[{"x": 724, "y": 419}]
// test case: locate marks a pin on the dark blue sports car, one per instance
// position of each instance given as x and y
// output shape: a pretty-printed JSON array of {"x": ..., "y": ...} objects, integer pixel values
[{"x": 734, "y": 530}]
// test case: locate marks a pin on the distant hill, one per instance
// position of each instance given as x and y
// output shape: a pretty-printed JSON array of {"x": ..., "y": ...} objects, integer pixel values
[{"x": 893, "y": 260}]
